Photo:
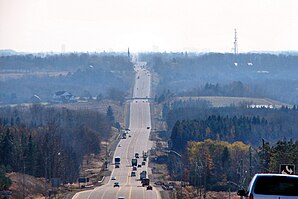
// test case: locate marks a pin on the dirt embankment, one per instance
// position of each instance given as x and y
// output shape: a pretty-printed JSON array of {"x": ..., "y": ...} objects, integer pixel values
[{"x": 28, "y": 185}]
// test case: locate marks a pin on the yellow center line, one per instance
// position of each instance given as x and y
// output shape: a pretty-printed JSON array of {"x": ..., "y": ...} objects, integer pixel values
[{"x": 130, "y": 189}]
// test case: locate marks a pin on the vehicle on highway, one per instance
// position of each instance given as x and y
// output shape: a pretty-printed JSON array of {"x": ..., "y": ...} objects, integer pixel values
[
  {"x": 143, "y": 163},
  {"x": 149, "y": 187},
  {"x": 121, "y": 197},
  {"x": 113, "y": 178},
  {"x": 119, "y": 145},
  {"x": 116, "y": 184},
  {"x": 148, "y": 127},
  {"x": 272, "y": 186},
  {"x": 143, "y": 175},
  {"x": 129, "y": 135},
  {"x": 144, "y": 159},
  {"x": 117, "y": 161},
  {"x": 134, "y": 162},
  {"x": 145, "y": 182},
  {"x": 137, "y": 155},
  {"x": 133, "y": 174},
  {"x": 145, "y": 154},
  {"x": 158, "y": 183},
  {"x": 139, "y": 165},
  {"x": 134, "y": 168}
]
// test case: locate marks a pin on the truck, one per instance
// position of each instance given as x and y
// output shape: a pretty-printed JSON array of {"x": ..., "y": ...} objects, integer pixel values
[
  {"x": 117, "y": 161},
  {"x": 145, "y": 182},
  {"x": 143, "y": 175},
  {"x": 134, "y": 162}
]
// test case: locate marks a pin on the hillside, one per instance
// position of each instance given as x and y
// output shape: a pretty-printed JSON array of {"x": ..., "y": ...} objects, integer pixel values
[{"x": 33, "y": 187}]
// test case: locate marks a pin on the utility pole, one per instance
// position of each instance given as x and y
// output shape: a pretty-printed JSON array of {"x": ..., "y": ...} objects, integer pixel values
[
  {"x": 106, "y": 163},
  {"x": 250, "y": 166},
  {"x": 23, "y": 179},
  {"x": 205, "y": 177}
]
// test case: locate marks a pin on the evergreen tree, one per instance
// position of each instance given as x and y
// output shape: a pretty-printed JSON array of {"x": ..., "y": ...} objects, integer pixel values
[{"x": 110, "y": 115}]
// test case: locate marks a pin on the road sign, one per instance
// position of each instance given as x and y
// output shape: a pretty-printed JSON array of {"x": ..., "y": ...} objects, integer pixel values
[{"x": 287, "y": 169}]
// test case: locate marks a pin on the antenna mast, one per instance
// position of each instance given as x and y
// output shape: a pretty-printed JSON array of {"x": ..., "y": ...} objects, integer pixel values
[{"x": 235, "y": 43}]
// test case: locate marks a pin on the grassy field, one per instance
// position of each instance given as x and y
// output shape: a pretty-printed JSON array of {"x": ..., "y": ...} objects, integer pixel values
[{"x": 220, "y": 101}]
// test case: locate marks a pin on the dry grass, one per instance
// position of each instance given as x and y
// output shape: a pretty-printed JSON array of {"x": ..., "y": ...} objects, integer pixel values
[
  {"x": 221, "y": 101},
  {"x": 33, "y": 187},
  {"x": 16, "y": 74}
]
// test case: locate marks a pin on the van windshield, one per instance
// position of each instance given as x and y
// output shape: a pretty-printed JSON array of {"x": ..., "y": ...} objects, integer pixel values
[{"x": 276, "y": 185}]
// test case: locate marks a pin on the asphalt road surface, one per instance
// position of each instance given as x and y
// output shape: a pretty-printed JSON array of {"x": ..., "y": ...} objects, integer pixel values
[{"x": 137, "y": 141}]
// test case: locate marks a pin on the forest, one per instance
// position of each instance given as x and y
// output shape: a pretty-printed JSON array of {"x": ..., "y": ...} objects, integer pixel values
[
  {"x": 81, "y": 74},
  {"x": 261, "y": 75},
  {"x": 49, "y": 142},
  {"x": 222, "y": 148},
  {"x": 223, "y": 166}
]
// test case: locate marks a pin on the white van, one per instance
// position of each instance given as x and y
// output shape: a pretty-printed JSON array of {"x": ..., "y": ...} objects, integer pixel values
[{"x": 272, "y": 186}]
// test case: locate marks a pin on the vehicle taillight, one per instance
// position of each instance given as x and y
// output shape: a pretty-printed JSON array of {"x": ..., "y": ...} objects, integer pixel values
[{"x": 251, "y": 196}]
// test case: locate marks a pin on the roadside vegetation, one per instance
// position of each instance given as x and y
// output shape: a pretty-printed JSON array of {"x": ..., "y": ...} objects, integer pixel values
[
  {"x": 49, "y": 142},
  {"x": 216, "y": 142}
]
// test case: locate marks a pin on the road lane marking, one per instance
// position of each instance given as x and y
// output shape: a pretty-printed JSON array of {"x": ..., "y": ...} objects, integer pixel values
[{"x": 130, "y": 189}]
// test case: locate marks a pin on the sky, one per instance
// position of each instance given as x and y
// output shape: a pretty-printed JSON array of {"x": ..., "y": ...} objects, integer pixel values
[{"x": 148, "y": 25}]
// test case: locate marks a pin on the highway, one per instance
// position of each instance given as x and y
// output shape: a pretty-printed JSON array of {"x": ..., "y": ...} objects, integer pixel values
[{"x": 137, "y": 141}]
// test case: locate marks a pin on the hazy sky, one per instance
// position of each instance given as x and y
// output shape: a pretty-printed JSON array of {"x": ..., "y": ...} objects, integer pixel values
[{"x": 146, "y": 25}]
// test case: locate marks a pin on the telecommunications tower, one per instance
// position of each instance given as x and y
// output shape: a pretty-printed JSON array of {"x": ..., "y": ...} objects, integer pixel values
[{"x": 235, "y": 43}]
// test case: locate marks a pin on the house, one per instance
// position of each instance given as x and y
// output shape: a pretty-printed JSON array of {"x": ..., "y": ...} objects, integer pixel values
[{"x": 63, "y": 97}]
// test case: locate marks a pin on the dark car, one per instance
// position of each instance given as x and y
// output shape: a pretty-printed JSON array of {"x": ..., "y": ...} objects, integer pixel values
[
  {"x": 134, "y": 168},
  {"x": 133, "y": 174},
  {"x": 143, "y": 163},
  {"x": 116, "y": 184},
  {"x": 139, "y": 165},
  {"x": 149, "y": 187}
]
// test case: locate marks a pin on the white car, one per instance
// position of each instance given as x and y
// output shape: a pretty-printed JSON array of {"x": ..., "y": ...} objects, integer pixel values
[
  {"x": 272, "y": 186},
  {"x": 113, "y": 178}
]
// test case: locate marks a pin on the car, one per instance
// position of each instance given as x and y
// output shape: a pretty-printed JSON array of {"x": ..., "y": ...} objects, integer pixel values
[
  {"x": 133, "y": 174},
  {"x": 116, "y": 184},
  {"x": 158, "y": 183},
  {"x": 139, "y": 165},
  {"x": 113, "y": 178},
  {"x": 134, "y": 168},
  {"x": 137, "y": 155},
  {"x": 271, "y": 186},
  {"x": 149, "y": 187},
  {"x": 143, "y": 163},
  {"x": 148, "y": 127},
  {"x": 129, "y": 136},
  {"x": 117, "y": 166},
  {"x": 121, "y": 197}
]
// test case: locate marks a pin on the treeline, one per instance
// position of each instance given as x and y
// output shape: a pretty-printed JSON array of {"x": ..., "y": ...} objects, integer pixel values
[
  {"x": 201, "y": 110},
  {"x": 84, "y": 75},
  {"x": 48, "y": 142},
  {"x": 220, "y": 166},
  {"x": 234, "y": 89},
  {"x": 248, "y": 129},
  {"x": 64, "y": 62},
  {"x": 267, "y": 75}
]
